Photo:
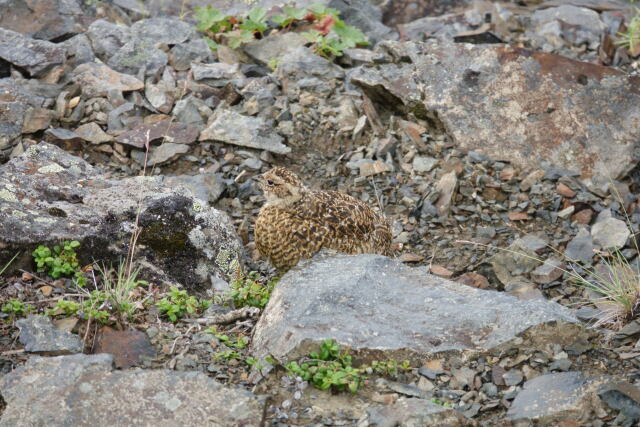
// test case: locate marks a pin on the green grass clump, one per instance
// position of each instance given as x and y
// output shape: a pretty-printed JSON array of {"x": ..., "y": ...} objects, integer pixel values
[
  {"x": 179, "y": 303},
  {"x": 326, "y": 31},
  {"x": 93, "y": 307},
  {"x": 119, "y": 285},
  {"x": 630, "y": 39}
]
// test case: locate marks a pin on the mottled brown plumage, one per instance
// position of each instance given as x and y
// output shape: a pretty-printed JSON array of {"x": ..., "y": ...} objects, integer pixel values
[{"x": 296, "y": 222}]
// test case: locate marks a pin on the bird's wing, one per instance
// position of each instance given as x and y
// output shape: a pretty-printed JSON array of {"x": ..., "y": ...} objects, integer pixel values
[{"x": 347, "y": 215}]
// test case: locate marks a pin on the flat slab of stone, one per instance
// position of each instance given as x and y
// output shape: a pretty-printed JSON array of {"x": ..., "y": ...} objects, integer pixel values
[
  {"x": 98, "y": 79},
  {"x": 39, "y": 335},
  {"x": 374, "y": 304},
  {"x": 512, "y": 104},
  {"x": 234, "y": 128},
  {"x": 556, "y": 397},
  {"x": 413, "y": 412},
  {"x": 85, "y": 390}
]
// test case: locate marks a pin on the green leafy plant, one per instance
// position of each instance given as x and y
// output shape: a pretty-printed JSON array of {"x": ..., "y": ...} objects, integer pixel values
[
  {"x": 227, "y": 355},
  {"x": 329, "y": 34},
  {"x": 239, "y": 342},
  {"x": 248, "y": 291},
  {"x": 329, "y": 368},
  {"x": 179, "y": 303},
  {"x": 91, "y": 308},
  {"x": 61, "y": 261},
  {"x": 16, "y": 308},
  {"x": 441, "y": 402}
]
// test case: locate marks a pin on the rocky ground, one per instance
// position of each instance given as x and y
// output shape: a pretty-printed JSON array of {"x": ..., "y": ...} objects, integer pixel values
[{"x": 500, "y": 138}]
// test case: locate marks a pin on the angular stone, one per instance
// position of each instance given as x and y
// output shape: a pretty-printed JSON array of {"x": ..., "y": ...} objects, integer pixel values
[
  {"x": 167, "y": 130},
  {"x": 447, "y": 187},
  {"x": 164, "y": 153},
  {"x": 550, "y": 270},
  {"x": 566, "y": 25},
  {"x": 98, "y": 79},
  {"x": 43, "y": 19},
  {"x": 622, "y": 396},
  {"x": 423, "y": 164},
  {"x": 54, "y": 391},
  {"x": 62, "y": 135},
  {"x": 518, "y": 259},
  {"x": 34, "y": 56},
  {"x": 128, "y": 347},
  {"x": 36, "y": 119},
  {"x": 49, "y": 196},
  {"x": 38, "y": 335},
  {"x": 93, "y": 133},
  {"x": 137, "y": 55},
  {"x": 352, "y": 300},
  {"x": 163, "y": 30},
  {"x": 12, "y": 115},
  {"x": 233, "y": 128},
  {"x": 610, "y": 233},
  {"x": 580, "y": 248},
  {"x": 208, "y": 187},
  {"x": 274, "y": 46},
  {"x": 302, "y": 63},
  {"x": 183, "y": 55},
  {"x": 79, "y": 50},
  {"x": 413, "y": 412},
  {"x": 552, "y": 398},
  {"x": 484, "y": 94},
  {"x": 107, "y": 38},
  {"x": 215, "y": 71}
]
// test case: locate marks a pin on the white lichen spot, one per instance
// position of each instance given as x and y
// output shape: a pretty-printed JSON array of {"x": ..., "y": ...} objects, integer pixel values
[
  {"x": 170, "y": 402},
  {"x": 85, "y": 388},
  {"x": 197, "y": 206},
  {"x": 52, "y": 168},
  {"x": 44, "y": 220},
  {"x": 227, "y": 261},
  {"x": 8, "y": 196}
]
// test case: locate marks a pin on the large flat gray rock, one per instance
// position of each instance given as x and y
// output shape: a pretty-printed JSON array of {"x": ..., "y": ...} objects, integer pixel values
[
  {"x": 371, "y": 303},
  {"x": 48, "y": 195},
  {"x": 85, "y": 390},
  {"x": 35, "y": 56},
  {"x": 512, "y": 104}
]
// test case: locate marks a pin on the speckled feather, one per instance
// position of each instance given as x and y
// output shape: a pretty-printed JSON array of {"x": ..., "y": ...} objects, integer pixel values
[{"x": 297, "y": 222}]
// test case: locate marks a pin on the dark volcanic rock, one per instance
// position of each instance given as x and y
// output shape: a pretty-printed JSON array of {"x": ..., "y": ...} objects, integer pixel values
[
  {"x": 512, "y": 104},
  {"x": 36, "y": 57},
  {"x": 48, "y": 196},
  {"x": 55, "y": 392},
  {"x": 371, "y": 304}
]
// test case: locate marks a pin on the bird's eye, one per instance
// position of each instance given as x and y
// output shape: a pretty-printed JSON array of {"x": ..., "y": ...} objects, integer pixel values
[{"x": 269, "y": 182}]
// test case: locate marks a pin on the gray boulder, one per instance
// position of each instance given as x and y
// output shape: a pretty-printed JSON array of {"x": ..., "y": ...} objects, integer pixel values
[
  {"x": 373, "y": 305},
  {"x": 107, "y": 38},
  {"x": 48, "y": 195},
  {"x": 512, "y": 104},
  {"x": 85, "y": 390},
  {"x": 413, "y": 412},
  {"x": 44, "y": 19},
  {"x": 162, "y": 30}
]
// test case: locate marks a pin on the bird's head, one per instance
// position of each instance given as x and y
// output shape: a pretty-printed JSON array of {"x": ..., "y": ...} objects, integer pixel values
[{"x": 281, "y": 187}]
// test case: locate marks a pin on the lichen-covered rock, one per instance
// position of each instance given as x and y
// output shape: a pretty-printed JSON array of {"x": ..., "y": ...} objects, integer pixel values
[
  {"x": 512, "y": 104},
  {"x": 374, "y": 305},
  {"x": 413, "y": 412},
  {"x": 85, "y": 390},
  {"x": 48, "y": 195}
]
